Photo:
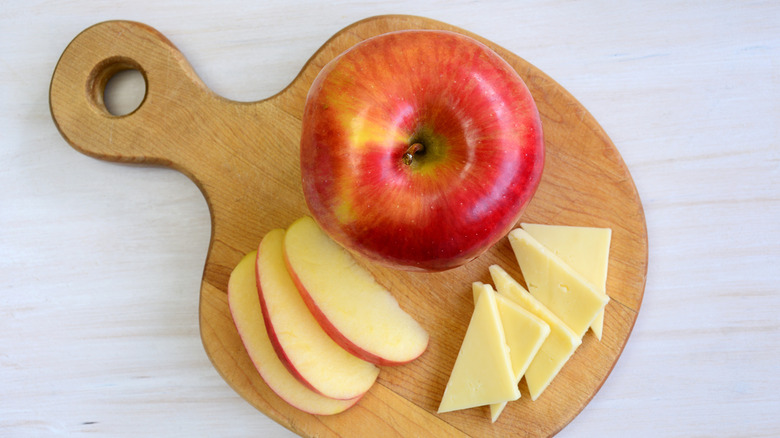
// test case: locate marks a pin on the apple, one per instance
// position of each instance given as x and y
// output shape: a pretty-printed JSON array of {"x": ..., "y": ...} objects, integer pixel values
[
  {"x": 300, "y": 343},
  {"x": 247, "y": 314},
  {"x": 357, "y": 312},
  {"x": 419, "y": 149}
]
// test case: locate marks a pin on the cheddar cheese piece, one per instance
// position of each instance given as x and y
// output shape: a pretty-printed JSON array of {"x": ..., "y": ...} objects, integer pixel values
[
  {"x": 556, "y": 349},
  {"x": 585, "y": 249},
  {"x": 482, "y": 373},
  {"x": 555, "y": 284},
  {"x": 525, "y": 334}
]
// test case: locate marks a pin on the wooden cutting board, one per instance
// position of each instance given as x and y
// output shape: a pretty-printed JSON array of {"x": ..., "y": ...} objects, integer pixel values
[{"x": 244, "y": 158}]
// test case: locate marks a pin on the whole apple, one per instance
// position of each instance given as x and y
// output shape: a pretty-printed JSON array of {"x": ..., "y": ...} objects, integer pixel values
[{"x": 420, "y": 149}]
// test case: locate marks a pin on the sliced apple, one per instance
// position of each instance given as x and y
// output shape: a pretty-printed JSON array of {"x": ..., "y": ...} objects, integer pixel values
[
  {"x": 357, "y": 312},
  {"x": 247, "y": 314},
  {"x": 301, "y": 344}
]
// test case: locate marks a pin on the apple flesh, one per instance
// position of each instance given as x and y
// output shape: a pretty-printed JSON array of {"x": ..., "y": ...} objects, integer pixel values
[
  {"x": 357, "y": 312},
  {"x": 247, "y": 314},
  {"x": 420, "y": 149},
  {"x": 300, "y": 343}
]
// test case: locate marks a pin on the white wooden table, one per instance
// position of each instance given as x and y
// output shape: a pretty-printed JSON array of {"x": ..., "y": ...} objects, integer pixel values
[{"x": 100, "y": 263}]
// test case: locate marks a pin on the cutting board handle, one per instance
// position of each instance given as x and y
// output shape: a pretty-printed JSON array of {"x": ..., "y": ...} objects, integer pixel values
[{"x": 157, "y": 131}]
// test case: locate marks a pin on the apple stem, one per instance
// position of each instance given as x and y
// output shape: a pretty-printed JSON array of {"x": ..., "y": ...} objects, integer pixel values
[{"x": 415, "y": 148}]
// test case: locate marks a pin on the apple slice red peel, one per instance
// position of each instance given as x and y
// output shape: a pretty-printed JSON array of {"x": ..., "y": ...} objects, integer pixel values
[
  {"x": 246, "y": 312},
  {"x": 299, "y": 341},
  {"x": 358, "y": 313}
]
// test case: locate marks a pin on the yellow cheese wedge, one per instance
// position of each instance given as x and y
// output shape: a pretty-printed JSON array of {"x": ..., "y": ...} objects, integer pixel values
[
  {"x": 525, "y": 334},
  {"x": 555, "y": 284},
  {"x": 556, "y": 349},
  {"x": 585, "y": 249},
  {"x": 482, "y": 373}
]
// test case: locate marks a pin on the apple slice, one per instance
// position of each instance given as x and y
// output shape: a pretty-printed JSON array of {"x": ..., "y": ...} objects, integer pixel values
[
  {"x": 247, "y": 314},
  {"x": 301, "y": 344},
  {"x": 356, "y": 311}
]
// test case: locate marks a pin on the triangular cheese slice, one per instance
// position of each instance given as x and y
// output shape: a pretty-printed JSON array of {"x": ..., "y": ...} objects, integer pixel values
[
  {"x": 556, "y": 349},
  {"x": 585, "y": 249},
  {"x": 555, "y": 284},
  {"x": 525, "y": 334},
  {"x": 482, "y": 373}
]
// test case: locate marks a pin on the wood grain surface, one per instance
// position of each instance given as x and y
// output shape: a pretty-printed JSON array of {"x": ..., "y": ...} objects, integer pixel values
[{"x": 244, "y": 159}]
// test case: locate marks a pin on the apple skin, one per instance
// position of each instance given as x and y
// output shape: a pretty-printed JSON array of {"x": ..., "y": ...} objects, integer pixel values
[
  {"x": 340, "y": 293},
  {"x": 246, "y": 311},
  {"x": 339, "y": 337},
  {"x": 302, "y": 346},
  {"x": 420, "y": 149}
]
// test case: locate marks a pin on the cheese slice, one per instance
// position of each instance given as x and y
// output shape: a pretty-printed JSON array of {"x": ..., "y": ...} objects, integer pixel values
[
  {"x": 556, "y": 349},
  {"x": 525, "y": 334},
  {"x": 585, "y": 249},
  {"x": 555, "y": 284},
  {"x": 482, "y": 373}
]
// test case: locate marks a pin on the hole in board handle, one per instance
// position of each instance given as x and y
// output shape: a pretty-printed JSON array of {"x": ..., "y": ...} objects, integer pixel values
[{"x": 117, "y": 86}]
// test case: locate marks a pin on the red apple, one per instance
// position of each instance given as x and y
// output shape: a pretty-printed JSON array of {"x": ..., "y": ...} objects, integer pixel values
[{"x": 420, "y": 149}]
